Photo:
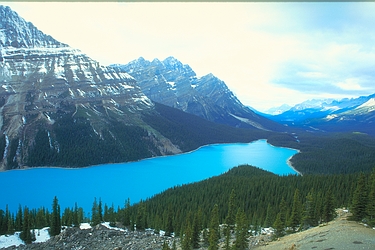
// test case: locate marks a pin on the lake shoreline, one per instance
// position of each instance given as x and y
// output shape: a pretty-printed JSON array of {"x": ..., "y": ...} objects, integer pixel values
[
  {"x": 289, "y": 162},
  {"x": 24, "y": 168},
  {"x": 116, "y": 182}
]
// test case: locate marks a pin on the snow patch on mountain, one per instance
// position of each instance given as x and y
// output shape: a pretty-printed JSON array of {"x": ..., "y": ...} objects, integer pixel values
[
  {"x": 278, "y": 110},
  {"x": 369, "y": 104},
  {"x": 248, "y": 121}
]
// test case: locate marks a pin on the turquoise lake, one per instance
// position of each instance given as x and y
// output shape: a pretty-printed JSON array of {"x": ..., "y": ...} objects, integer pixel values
[{"x": 114, "y": 183}]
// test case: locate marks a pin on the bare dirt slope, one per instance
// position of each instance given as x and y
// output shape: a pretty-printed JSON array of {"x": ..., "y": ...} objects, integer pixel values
[{"x": 338, "y": 234}]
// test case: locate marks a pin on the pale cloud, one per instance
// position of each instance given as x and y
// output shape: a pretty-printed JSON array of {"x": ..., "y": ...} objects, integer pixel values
[
  {"x": 267, "y": 53},
  {"x": 350, "y": 84},
  {"x": 311, "y": 74}
]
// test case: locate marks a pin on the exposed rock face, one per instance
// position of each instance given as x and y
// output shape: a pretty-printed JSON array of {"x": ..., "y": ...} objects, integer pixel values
[
  {"x": 175, "y": 84},
  {"x": 43, "y": 81},
  {"x": 100, "y": 238},
  {"x": 17, "y": 33},
  {"x": 59, "y": 107}
]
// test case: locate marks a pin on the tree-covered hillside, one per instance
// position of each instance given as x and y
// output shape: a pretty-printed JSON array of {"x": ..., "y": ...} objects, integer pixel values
[
  {"x": 329, "y": 153},
  {"x": 258, "y": 193},
  {"x": 190, "y": 131}
]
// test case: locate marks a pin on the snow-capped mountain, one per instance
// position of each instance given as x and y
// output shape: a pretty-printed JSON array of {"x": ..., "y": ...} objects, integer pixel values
[
  {"x": 348, "y": 114},
  {"x": 175, "y": 84},
  {"x": 46, "y": 85},
  {"x": 15, "y": 32},
  {"x": 319, "y": 108},
  {"x": 59, "y": 107},
  {"x": 278, "y": 110}
]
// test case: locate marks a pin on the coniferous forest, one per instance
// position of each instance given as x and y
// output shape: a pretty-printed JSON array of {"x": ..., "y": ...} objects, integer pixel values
[{"x": 243, "y": 200}]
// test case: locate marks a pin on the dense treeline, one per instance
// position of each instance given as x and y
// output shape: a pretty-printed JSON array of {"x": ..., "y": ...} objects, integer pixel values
[
  {"x": 320, "y": 153},
  {"x": 258, "y": 193},
  {"x": 327, "y": 153},
  {"x": 244, "y": 198},
  {"x": 73, "y": 143},
  {"x": 27, "y": 220},
  {"x": 363, "y": 201},
  {"x": 71, "y": 140},
  {"x": 190, "y": 132}
]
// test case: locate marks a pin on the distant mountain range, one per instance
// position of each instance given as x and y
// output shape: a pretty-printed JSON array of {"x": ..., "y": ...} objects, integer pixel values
[
  {"x": 176, "y": 85},
  {"x": 356, "y": 114}
]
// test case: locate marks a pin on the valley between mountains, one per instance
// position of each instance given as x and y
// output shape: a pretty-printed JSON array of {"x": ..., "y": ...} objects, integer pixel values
[{"x": 61, "y": 108}]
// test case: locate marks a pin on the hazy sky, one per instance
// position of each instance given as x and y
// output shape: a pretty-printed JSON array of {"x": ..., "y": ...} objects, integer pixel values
[{"x": 267, "y": 53}]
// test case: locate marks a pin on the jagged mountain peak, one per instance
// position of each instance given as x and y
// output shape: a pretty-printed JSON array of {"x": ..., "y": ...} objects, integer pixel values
[
  {"x": 172, "y": 62},
  {"x": 18, "y": 33},
  {"x": 44, "y": 84},
  {"x": 175, "y": 84}
]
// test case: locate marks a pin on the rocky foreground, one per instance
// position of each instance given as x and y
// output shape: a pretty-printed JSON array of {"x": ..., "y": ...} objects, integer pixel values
[
  {"x": 338, "y": 234},
  {"x": 99, "y": 237}
]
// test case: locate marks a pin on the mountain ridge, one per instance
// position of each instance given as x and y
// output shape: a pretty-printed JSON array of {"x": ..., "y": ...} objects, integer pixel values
[
  {"x": 59, "y": 107},
  {"x": 345, "y": 115},
  {"x": 175, "y": 84}
]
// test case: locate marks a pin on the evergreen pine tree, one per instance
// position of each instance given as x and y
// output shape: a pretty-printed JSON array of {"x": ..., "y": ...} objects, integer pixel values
[
  {"x": 296, "y": 215},
  {"x": 227, "y": 234},
  {"x": 100, "y": 210},
  {"x": 370, "y": 208},
  {"x": 214, "y": 230},
  {"x": 360, "y": 197},
  {"x": 41, "y": 218},
  {"x": 206, "y": 242},
  {"x": 126, "y": 214},
  {"x": 169, "y": 221},
  {"x": 278, "y": 225},
  {"x": 55, "y": 228},
  {"x": 67, "y": 217},
  {"x": 196, "y": 228},
  {"x": 186, "y": 241},
  {"x": 76, "y": 221},
  {"x": 230, "y": 219},
  {"x": 268, "y": 220},
  {"x": 241, "y": 233},
  {"x": 213, "y": 240},
  {"x": 10, "y": 227},
  {"x": 309, "y": 218},
  {"x": 8, "y": 223},
  {"x": 282, "y": 211},
  {"x": 19, "y": 220},
  {"x": 26, "y": 230},
  {"x": 95, "y": 216},
  {"x": 319, "y": 207},
  {"x": 141, "y": 216},
  {"x": 112, "y": 216},
  {"x": 329, "y": 207},
  {"x": 106, "y": 213}
]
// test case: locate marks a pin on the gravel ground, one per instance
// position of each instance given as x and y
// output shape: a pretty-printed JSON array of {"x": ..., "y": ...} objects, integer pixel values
[{"x": 339, "y": 234}]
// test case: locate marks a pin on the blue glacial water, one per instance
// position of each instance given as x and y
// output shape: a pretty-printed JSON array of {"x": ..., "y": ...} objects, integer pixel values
[{"x": 114, "y": 183}]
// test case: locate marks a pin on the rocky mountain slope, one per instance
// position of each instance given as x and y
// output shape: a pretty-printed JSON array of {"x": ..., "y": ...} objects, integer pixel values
[
  {"x": 175, "y": 84},
  {"x": 59, "y": 107},
  {"x": 44, "y": 82}
]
